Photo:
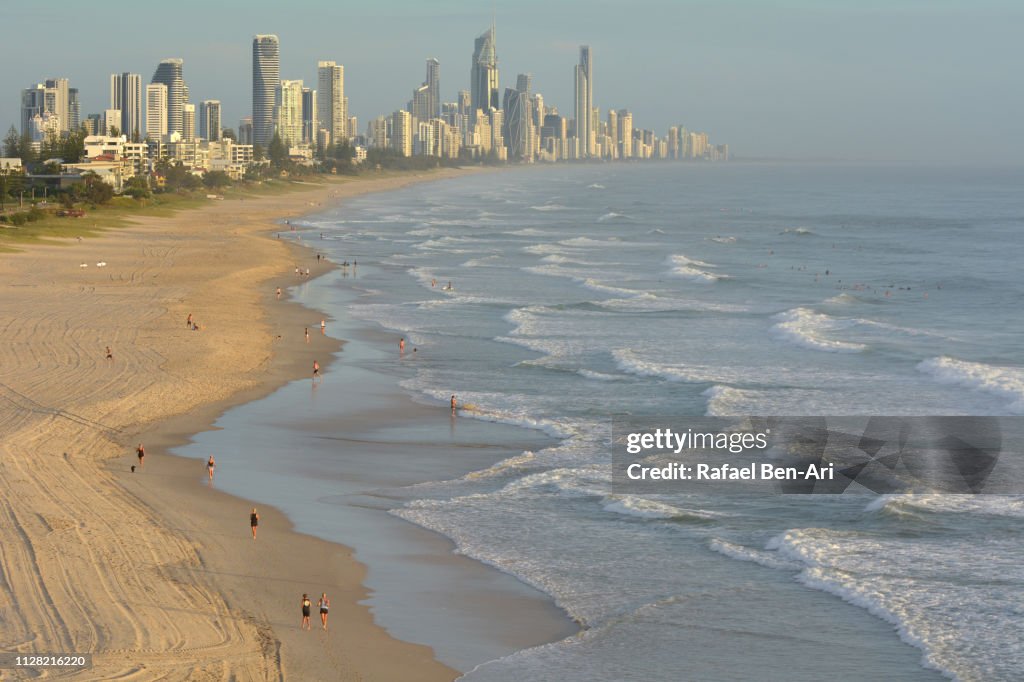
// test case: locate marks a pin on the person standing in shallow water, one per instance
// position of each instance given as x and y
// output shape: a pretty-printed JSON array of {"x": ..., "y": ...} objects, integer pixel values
[{"x": 454, "y": 404}]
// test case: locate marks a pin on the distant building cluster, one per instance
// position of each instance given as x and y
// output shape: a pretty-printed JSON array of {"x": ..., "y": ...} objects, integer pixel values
[{"x": 146, "y": 123}]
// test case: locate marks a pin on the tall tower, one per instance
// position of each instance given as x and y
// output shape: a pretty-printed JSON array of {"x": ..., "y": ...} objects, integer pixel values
[
  {"x": 484, "y": 74},
  {"x": 209, "y": 120},
  {"x": 310, "y": 118},
  {"x": 288, "y": 112},
  {"x": 126, "y": 95},
  {"x": 156, "y": 111},
  {"x": 584, "y": 110},
  {"x": 330, "y": 92},
  {"x": 266, "y": 76},
  {"x": 433, "y": 84},
  {"x": 169, "y": 73}
]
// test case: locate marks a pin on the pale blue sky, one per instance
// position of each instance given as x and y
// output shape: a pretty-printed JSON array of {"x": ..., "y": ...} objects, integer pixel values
[{"x": 934, "y": 80}]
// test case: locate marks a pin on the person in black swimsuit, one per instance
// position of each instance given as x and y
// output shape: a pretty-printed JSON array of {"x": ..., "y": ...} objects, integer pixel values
[
  {"x": 306, "y": 605},
  {"x": 141, "y": 452},
  {"x": 254, "y": 520}
]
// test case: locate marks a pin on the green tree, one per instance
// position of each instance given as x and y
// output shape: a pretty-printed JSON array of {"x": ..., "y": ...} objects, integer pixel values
[
  {"x": 72, "y": 147},
  {"x": 10, "y": 182},
  {"x": 12, "y": 144},
  {"x": 228, "y": 134},
  {"x": 115, "y": 131},
  {"x": 216, "y": 179},
  {"x": 137, "y": 187},
  {"x": 258, "y": 152},
  {"x": 28, "y": 153},
  {"x": 277, "y": 151}
]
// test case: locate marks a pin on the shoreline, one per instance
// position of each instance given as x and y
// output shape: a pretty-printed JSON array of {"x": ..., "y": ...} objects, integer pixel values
[{"x": 120, "y": 566}]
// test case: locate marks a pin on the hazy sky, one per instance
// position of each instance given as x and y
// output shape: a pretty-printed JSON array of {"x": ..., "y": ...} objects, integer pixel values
[{"x": 853, "y": 79}]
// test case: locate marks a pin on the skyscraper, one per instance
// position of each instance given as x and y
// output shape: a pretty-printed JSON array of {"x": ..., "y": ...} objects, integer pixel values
[
  {"x": 310, "y": 116},
  {"x": 53, "y": 102},
  {"x": 484, "y": 74},
  {"x": 188, "y": 122},
  {"x": 330, "y": 92},
  {"x": 433, "y": 84},
  {"x": 266, "y": 77},
  {"x": 420, "y": 104},
  {"x": 288, "y": 112},
  {"x": 209, "y": 120},
  {"x": 126, "y": 95},
  {"x": 156, "y": 110},
  {"x": 169, "y": 73},
  {"x": 74, "y": 109},
  {"x": 585, "y": 134},
  {"x": 401, "y": 132}
]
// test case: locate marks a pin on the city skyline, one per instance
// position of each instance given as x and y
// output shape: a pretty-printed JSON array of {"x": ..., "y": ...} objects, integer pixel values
[{"x": 778, "y": 102}]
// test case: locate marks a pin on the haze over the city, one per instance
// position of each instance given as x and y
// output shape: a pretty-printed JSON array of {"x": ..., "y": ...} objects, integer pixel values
[{"x": 911, "y": 80}]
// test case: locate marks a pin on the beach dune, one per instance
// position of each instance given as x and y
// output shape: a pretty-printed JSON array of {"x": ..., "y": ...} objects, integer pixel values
[{"x": 153, "y": 572}]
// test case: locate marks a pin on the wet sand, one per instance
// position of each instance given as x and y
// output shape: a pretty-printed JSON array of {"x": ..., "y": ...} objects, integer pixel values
[{"x": 152, "y": 572}]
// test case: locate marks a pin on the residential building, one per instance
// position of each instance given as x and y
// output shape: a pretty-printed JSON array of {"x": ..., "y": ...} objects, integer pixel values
[
  {"x": 209, "y": 120},
  {"x": 266, "y": 78},
  {"x": 288, "y": 112},
  {"x": 584, "y": 102},
  {"x": 169, "y": 73},
  {"x": 331, "y": 104},
  {"x": 126, "y": 96},
  {"x": 156, "y": 110}
]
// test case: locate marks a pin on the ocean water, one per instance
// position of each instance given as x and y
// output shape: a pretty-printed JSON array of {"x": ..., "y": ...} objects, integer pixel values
[{"x": 581, "y": 293}]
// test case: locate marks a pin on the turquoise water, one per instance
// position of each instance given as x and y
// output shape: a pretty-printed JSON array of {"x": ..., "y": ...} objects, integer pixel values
[{"x": 584, "y": 292}]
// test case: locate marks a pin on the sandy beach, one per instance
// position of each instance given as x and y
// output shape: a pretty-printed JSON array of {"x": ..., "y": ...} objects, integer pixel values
[{"x": 152, "y": 572}]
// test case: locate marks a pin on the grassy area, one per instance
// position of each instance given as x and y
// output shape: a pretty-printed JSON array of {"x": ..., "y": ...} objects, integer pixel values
[{"x": 120, "y": 211}]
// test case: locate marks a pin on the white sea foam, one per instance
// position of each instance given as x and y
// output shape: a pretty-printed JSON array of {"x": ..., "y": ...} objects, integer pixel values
[
  {"x": 549, "y": 207},
  {"x": 764, "y": 558},
  {"x": 646, "y": 508},
  {"x": 1003, "y": 382},
  {"x": 595, "y": 285},
  {"x": 689, "y": 268},
  {"x": 799, "y": 231},
  {"x": 804, "y": 327},
  {"x": 723, "y": 240},
  {"x": 600, "y": 376},
  {"x": 612, "y": 215},
  {"x": 629, "y": 362}
]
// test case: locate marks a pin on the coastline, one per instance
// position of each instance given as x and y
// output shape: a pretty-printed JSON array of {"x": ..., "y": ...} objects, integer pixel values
[{"x": 148, "y": 570}]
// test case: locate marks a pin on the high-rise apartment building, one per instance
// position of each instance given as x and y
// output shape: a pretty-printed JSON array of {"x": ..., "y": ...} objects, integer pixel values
[
  {"x": 625, "y": 134},
  {"x": 484, "y": 75},
  {"x": 266, "y": 78},
  {"x": 209, "y": 120},
  {"x": 288, "y": 112},
  {"x": 169, "y": 73},
  {"x": 401, "y": 132},
  {"x": 126, "y": 95},
  {"x": 330, "y": 89},
  {"x": 585, "y": 133},
  {"x": 245, "y": 130},
  {"x": 188, "y": 122},
  {"x": 433, "y": 84},
  {"x": 156, "y": 111},
  {"x": 310, "y": 118},
  {"x": 419, "y": 106},
  {"x": 74, "y": 109}
]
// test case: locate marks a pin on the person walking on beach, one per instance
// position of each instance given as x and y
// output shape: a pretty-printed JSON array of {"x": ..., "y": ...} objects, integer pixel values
[
  {"x": 454, "y": 404},
  {"x": 307, "y": 334},
  {"x": 210, "y": 466},
  {"x": 401, "y": 346},
  {"x": 141, "y": 452},
  {"x": 306, "y": 605},
  {"x": 279, "y": 293},
  {"x": 316, "y": 370},
  {"x": 188, "y": 322},
  {"x": 110, "y": 354},
  {"x": 323, "y": 326},
  {"x": 254, "y": 520},
  {"x": 324, "y": 605}
]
